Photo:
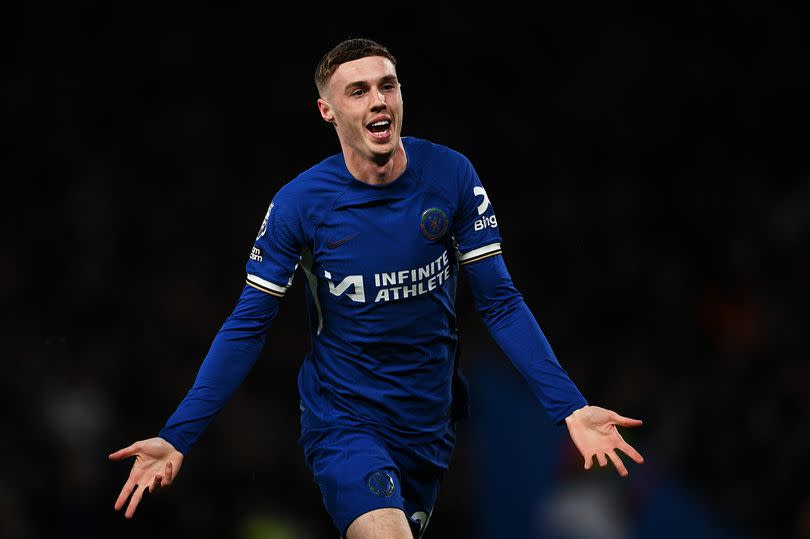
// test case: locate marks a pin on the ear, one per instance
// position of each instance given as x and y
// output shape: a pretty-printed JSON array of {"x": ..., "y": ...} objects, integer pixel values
[{"x": 326, "y": 111}]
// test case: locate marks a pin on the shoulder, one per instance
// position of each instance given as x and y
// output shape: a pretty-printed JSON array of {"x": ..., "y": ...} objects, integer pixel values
[
  {"x": 440, "y": 167},
  {"x": 320, "y": 179},
  {"x": 427, "y": 153},
  {"x": 314, "y": 190}
]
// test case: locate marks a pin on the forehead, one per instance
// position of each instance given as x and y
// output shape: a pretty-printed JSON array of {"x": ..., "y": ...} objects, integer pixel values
[{"x": 369, "y": 68}]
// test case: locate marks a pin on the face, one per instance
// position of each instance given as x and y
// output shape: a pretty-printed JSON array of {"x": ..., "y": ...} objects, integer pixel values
[{"x": 364, "y": 102}]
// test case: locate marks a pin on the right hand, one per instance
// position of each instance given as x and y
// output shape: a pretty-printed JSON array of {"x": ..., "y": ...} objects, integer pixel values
[
  {"x": 593, "y": 430},
  {"x": 156, "y": 465}
]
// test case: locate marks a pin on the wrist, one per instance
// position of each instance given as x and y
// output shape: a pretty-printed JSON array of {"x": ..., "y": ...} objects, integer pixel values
[{"x": 573, "y": 414}]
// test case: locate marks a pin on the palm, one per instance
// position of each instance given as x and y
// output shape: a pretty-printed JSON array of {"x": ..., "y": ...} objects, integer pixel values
[
  {"x": 156, "y": 465},
  {"x": 593, "y": 431}
]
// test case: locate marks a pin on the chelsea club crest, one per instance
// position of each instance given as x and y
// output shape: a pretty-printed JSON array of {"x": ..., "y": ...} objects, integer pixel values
[
  {"x": 381, "y": 483},
  {"x": 433, "y": 223}
]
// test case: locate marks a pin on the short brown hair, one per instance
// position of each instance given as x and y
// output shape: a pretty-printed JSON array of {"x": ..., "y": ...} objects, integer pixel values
[{"x": 346, "y": 51}]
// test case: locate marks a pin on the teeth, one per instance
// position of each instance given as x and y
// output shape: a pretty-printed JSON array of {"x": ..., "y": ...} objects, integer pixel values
[{"x": 379, "y": 124}]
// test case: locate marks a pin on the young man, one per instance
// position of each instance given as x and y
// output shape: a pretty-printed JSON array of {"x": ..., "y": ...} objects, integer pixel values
[{"x": 381, "y": 231}]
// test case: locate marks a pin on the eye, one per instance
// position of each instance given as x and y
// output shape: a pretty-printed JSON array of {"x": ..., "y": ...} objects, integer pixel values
[
  {"x": 357, "y": 92},
  {"x": 388, "y": 87}
]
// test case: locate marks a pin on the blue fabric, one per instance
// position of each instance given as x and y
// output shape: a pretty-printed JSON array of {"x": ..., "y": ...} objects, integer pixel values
[
  {"x": 381, "y": 265},
  {"x": 515, "y": 329},
  {"x": 234, "y": 351},
  {"x": 357, "y": 471}
]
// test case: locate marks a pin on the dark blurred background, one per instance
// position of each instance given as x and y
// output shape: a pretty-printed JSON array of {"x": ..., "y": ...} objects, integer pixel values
[{"x": 650, "y": 172}]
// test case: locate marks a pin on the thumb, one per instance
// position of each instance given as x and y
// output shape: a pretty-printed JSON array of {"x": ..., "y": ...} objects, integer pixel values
[
  {"x": 125, "y": 452},
  {"x": 627, "y": 421}
]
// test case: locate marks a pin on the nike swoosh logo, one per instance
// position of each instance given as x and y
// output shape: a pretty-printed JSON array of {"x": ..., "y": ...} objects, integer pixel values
[{"x": 338, "y": 243}]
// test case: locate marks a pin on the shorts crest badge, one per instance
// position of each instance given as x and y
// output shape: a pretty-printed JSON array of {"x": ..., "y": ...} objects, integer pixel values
[{"x": 381, "y": 483}]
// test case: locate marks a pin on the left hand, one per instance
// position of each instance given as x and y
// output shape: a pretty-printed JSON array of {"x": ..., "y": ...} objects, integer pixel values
[
  {"x": 593, "y": 430},
  {"x": 156, "y": 466}
]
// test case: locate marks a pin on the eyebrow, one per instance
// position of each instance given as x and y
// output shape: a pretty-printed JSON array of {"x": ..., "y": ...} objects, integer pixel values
[{"x": 385, "y": 79}]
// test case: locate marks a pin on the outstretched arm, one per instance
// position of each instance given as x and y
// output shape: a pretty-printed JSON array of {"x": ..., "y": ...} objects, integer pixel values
[
  {"x": 515, "y": 329},
  {"x": 234, "y": 351}
]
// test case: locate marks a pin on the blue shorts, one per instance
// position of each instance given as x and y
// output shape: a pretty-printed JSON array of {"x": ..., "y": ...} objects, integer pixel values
[{"x": 358, "y": 472}]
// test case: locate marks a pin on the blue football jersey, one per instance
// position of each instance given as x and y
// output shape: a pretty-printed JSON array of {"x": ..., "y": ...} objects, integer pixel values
[{"x": 381, "y": 265}]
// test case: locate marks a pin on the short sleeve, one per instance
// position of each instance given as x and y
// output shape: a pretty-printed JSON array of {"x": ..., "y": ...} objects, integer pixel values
[
  {"x": 475, "y": 227},
  {"x": 277, "y": 250}
]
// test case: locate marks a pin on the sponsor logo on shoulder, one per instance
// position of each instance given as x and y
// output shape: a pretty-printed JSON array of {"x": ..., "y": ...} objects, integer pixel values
[
  {"x": 481, "y": 192},
  {"x": 263, "y": 228},
  {"x": 256, "y": 254},
  {"x": 486, "y": 222},
  {"x": 483, "y": 222}
]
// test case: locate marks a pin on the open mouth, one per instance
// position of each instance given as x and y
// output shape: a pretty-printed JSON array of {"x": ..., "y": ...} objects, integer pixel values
[{"x": 380, "y": 128}]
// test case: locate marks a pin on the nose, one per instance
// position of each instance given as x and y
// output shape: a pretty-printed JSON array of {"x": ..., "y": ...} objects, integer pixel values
[{"x": 378, "y": 101}]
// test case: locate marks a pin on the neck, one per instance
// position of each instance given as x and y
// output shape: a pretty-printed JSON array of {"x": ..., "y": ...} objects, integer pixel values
[{"x": 381, "y": 169}]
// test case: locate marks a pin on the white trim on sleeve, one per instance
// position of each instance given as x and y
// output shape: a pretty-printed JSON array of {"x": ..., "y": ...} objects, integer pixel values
[
  {"x": 479, "y": 252},
  {"x": 266, "y": 284}
]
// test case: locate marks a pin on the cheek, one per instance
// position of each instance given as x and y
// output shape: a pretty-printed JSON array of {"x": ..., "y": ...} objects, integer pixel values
[
  {"x": 345, "y": 116},
  {"x": 354, "y": 121}
]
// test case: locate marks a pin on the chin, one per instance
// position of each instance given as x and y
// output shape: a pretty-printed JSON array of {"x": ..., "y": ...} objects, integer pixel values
[{"x": 383, "y": 148}]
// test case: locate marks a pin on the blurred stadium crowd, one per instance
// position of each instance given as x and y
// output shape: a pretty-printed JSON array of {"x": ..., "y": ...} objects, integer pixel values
[{"x": 651, "y": 177}]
